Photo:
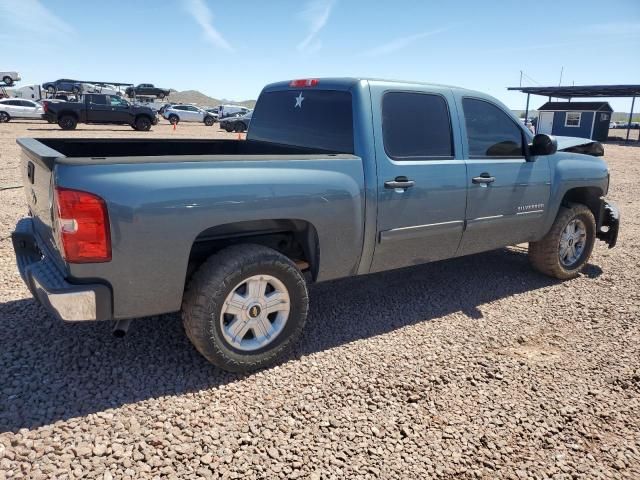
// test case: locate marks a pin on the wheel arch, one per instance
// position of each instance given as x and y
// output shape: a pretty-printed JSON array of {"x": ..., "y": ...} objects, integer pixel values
[
  {"x": 590, "y": 196},
  {"x": 295, "y": 238}
]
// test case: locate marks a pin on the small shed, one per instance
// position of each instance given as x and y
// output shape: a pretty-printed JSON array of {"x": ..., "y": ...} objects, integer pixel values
[{"x": 575, "y": 119}]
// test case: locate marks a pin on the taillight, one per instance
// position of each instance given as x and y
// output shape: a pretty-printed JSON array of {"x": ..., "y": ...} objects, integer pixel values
[
  {"x": 304, "y": 83},
  {"x": 83, "y": 226}
]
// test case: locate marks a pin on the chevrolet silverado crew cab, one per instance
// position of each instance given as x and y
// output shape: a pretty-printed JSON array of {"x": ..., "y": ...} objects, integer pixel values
[
  {"x": 337, "y": 177},
  {"x": 102, "y": 109}
]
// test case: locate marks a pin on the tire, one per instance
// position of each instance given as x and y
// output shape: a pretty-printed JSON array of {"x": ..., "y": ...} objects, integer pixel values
[
  {"x": 4, "y": 117},
  {"x": 545, "y": 255},
  {"x": 161, "y": 96},
  {"x": 174, "y": 119},
  {"x": 209, "y": 121},
  {"x": 8, "y": 81},
  {"x": 75, "y": 90},
  {"x": 51, "y": 89},
  {"x": 143, "y": 124},
  {"x": 238, "y": 127},
  {"x": 228, "y": 128},
  {"x": 68, "y": 122},
  {"x": 221, "y": 275}
]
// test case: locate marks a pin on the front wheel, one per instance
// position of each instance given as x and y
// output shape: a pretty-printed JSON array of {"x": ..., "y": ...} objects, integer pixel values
[
  {"x": 8, "y": 81},
  {"x": 209, "y": 121},
  {"x": 245, "y": 307},
  {"x": 174, "y": 119},
  {"x": 567, "y": 247}
]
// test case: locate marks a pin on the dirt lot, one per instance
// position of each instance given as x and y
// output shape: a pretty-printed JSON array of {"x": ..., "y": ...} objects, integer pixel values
[{"x": 471, "y": 368}]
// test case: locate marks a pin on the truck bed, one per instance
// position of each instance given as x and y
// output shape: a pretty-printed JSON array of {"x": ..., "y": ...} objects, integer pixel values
[{"x": 105, "y": 148}]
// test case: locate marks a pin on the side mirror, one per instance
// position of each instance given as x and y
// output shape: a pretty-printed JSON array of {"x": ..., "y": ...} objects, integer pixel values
[{"x": 543, "y": 144}]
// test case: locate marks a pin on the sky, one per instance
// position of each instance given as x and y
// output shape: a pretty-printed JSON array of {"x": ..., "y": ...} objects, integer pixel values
[{"x": 232, "y": 49}]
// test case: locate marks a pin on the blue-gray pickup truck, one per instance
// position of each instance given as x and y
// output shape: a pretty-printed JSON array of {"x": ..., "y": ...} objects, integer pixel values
[{"x": 337, "y": 177}]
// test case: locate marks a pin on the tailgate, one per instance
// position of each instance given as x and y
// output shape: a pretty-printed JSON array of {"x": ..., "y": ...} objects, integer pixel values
[{"x": 37, "y": 164}]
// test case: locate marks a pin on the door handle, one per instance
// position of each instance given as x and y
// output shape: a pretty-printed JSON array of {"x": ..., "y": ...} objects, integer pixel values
[
  {"x": 484, "y": 179},
  {"x": 399, "y": 182}
]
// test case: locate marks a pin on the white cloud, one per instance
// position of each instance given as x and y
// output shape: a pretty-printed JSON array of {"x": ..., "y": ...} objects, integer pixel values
[
  {"x": 402, "y": 42},
  {"x": 203, "y": 16},
  {"x": 316, "y": 14},
  {"x": 33, "y": 18}
]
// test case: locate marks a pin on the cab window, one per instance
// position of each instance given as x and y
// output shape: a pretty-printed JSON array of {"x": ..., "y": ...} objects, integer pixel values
[
  {"x": 416, "y": 126},
  {"x": 490, "y": 131}
]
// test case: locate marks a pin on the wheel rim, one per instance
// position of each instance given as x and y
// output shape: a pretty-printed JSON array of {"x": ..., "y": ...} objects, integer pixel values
[
  {"x": 255, "y": 312},
  {"x": 3, "y": 117},
  {"x": 572, "y": 242}
]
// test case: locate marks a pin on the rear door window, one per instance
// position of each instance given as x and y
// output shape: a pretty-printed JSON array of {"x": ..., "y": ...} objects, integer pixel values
[
  {"x": 317, "y": 119},
  {"x": 490, "y": 131},
  {"x": 416, "y": 126}
]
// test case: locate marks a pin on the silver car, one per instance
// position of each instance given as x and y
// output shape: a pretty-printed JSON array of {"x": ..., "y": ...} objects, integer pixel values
[{"x": 188, "y": 113}]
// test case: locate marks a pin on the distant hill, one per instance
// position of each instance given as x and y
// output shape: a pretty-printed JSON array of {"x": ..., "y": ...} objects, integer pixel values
[{"x": 199, "y": 98}]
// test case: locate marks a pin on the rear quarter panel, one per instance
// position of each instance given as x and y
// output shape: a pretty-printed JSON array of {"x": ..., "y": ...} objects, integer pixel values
[{"x": 156, "y": 210}]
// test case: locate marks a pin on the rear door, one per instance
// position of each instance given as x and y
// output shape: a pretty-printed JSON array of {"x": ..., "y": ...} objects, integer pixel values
[
  {"x": 31, "y": 109},
  {"x": 421, "y": 176},
  {"x": 507, "y": 194},
  {"x": 97, "y": 109}
]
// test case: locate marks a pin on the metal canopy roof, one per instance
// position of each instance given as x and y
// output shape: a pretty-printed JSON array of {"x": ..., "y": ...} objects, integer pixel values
[{"x": 583, "y": 91}]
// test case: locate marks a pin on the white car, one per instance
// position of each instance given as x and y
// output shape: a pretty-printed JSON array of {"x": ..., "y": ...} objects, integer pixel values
[
  {"x": 188, "y": 113},
  {"x": 9, "y": 77},
  {"x": 19, "y": 108},
  {"x": 231, "y": 110}
]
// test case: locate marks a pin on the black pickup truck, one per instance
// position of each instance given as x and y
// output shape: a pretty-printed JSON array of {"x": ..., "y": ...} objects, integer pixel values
[
  {"x": 102, "y": 109},
  {"x": 147, "y": 89}
]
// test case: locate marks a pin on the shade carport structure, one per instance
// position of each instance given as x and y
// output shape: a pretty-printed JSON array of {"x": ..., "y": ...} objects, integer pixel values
[{"x": 585, "y": 91}]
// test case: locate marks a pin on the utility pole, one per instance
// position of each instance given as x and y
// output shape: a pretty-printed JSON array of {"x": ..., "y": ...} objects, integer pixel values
[{"x": 561, "y": 71}]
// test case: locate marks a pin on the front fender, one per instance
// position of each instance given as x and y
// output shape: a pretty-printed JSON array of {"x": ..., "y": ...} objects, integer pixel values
[{"x": 572, "y": 171}]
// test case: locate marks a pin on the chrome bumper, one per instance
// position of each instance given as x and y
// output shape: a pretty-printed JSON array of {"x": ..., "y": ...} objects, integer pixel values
[{"x": 66, "y": 301}]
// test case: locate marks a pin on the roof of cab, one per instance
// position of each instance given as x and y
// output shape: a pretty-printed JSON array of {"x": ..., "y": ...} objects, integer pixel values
[{"x": 347, "y": 82}]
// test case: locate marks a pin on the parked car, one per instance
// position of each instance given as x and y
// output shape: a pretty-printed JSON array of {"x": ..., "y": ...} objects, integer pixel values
[
  {"x": 63, "y": 85},
  {"x": 9, "y": 78},
  {"x": 101, "y": 109},
  {"x": 231, "y": 110},
  {"x": 188, "y": 113},
  {"x": 231, "y": 231},
  {"x": 147, "y": 89},
  {"x": 19, "y": 108},
  {"x": 236, "y": 124},
  {"x": 214, "y": 112}
]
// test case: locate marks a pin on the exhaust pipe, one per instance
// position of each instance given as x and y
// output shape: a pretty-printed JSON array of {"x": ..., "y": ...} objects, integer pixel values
[{"x": 121, "y": 327}]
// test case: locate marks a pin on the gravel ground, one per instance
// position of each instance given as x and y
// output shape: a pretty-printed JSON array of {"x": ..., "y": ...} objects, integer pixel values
[{"x": 470, "y": 368}]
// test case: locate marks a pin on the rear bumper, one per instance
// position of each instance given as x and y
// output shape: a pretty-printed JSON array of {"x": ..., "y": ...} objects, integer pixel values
[
  {"x": 66, "y": 301},
  {"x": 610, "y": 224}
]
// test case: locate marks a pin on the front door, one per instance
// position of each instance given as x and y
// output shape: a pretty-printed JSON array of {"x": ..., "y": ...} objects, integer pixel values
[
  {"x": 119, "y": 109},
  {"x": 507, "y": 194},
  {"x": 421, "y": 177},
  {"x": 545, "y": 123}
]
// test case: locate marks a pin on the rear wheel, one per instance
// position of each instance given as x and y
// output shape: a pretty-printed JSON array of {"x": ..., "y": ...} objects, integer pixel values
[
  {"x": 209, "y": 121},
  {"x": 75, "y": 90},
  {"x": 566, "y": 248},
  {"x": 228, "y": 128},
  {"x": 7, "y": 80},
  {"x": 143, "y": 124},
  {"x": 245, "y": 307},
  {"x": 239, "y": 127},
  {"x": 4, "y": 117},
  {"x": 51, "y": 89},
  {"x": 161, "y": 96},
  {"x": 67, "y": 122},
  {"x": 174, "y": 119}
]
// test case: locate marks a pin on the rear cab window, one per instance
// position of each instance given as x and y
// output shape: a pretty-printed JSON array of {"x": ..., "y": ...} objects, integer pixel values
[
  {"x": 416, "y": 126},
  {"x": 309, "y": 118}
]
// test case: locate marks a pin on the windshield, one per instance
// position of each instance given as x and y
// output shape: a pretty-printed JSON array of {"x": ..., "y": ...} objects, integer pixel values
[{"x": 321, "y": 119}]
